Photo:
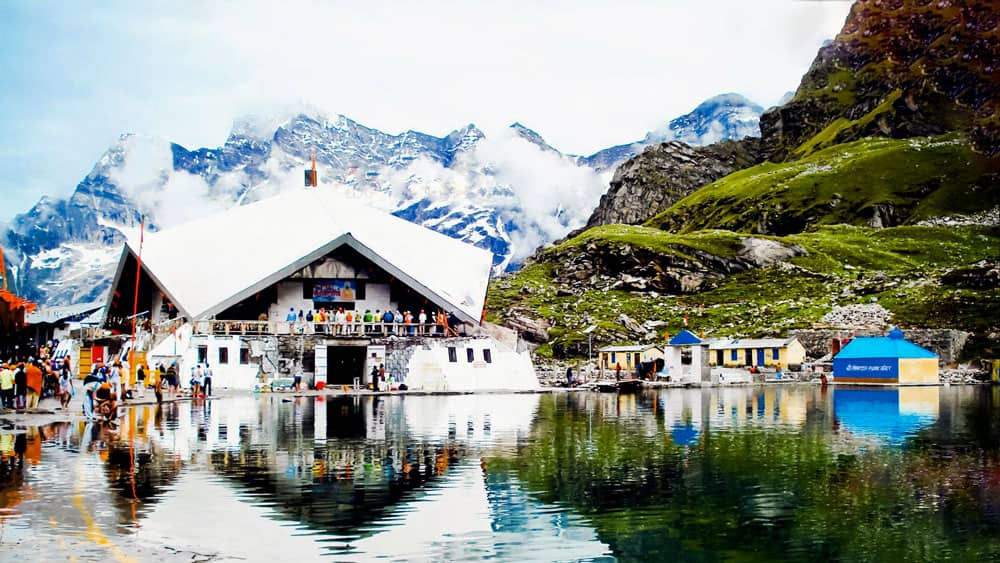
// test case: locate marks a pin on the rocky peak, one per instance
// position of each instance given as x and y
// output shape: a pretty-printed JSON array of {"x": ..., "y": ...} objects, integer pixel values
[
  {"x": 898, "y": 68},
  {"x": 664, "y": 174}
]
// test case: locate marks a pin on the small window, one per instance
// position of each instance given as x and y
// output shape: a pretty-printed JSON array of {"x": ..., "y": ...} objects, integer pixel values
[
  {"x": 487, "y": 356},
  {"x": 452, "y": 354},
  {"x": 613, "y": 357},
  {"x": 470, "y": 354},
  {"x": 733, "y": 356},
  {"x": 307, "y": 289},
  {"x": 686, "y": 358},
  {"x": 244, "y": 355},
  {"x": 202, "y": 354},
  {"x": 223, "y": 355},
  {"x": 359, "y": 290},
  {"x": 775, "y": 353}
]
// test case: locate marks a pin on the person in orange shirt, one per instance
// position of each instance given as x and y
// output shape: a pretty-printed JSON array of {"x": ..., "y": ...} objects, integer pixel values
[{"x": 34, "y": 381}]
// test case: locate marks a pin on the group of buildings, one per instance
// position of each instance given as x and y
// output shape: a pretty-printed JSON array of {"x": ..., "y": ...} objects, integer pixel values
[
  {"x": 218, "y": 291},
  {"x": 889, "y": 359}
]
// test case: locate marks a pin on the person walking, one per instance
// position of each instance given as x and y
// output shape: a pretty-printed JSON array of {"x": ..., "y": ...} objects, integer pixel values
[
  {"x": 207, "y": 380},
  {"x": 65, "y": 385},
  {"x": 115, "y": 379},
  {"x": 6, "y": 386},
  {"x": 140, "y": 376},
  {"x": 297, "y": 381},
  {"x": 618, "y": 371},
  {"x": 20, "y": 387},
  {"x": 34, "y": 381},
  {"x": 172, "y": 377}
]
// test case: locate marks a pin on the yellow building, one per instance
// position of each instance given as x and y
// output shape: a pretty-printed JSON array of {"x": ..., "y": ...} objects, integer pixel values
[
  {"x": 628, "y": 356},
  {"x": 885, "y": 359},
  {"x": 761, "y": 352}
]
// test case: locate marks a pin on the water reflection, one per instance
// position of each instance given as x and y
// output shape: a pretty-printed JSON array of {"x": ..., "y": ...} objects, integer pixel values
[{"x": 795, "y": 472}]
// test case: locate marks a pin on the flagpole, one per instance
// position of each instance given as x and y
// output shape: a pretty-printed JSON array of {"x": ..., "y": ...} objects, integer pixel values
[{"x": 135, "y": 300}]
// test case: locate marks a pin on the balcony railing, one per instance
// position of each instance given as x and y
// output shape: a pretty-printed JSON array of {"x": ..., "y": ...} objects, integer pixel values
[{"x": 331, "y": 329}]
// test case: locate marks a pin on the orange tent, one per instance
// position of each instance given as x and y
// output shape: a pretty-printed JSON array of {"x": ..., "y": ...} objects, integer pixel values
[{"x": 13, "y": 310}]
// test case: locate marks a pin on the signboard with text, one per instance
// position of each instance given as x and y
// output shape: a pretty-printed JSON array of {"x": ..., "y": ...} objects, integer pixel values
[
  {"x": 334, "y": 290},
  {"x": 866, "y": 368}
]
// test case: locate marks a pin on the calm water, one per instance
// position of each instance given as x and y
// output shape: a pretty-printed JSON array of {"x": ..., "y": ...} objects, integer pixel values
[{"x": 743, "y": 474}]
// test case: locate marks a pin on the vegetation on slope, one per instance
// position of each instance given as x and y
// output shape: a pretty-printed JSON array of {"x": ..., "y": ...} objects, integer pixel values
[
  {"x": 878, "y": 182},
  {"x": 900, "y": 267}
]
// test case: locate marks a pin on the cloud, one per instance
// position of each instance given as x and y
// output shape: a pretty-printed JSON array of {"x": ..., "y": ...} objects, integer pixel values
[
  {"x": 167, "y": 196},
  {"x": 591, "y": 74}
]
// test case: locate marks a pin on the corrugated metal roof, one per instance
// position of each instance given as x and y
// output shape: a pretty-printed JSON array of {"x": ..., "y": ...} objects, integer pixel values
[
  {"x": 211, "y": 263},
  {"x": 746, "y": 343},
  {"x": 632, "y": 348},
  {"x": 882, "y": 347}
]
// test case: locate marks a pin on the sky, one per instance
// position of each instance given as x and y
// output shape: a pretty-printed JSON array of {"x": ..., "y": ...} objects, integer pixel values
[{"x": 584, "y": 74}]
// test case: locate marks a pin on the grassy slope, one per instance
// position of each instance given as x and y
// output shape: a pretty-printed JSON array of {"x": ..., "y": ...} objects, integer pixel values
[
  {"x": 919, "y": 178},
  {"x": 885, "y": 264}
]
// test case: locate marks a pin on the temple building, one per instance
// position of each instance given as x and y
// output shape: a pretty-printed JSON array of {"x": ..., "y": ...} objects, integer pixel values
[{"x": 265, "y": 289}]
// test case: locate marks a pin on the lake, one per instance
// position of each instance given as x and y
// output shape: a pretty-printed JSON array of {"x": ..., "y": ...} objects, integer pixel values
[{"x": 793, "y": 472}]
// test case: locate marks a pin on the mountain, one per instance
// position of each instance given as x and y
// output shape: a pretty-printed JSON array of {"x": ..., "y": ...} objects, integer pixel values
[
  {"x": 723, "y": 117},
  {"x": 509, "y": 194},
  {"x": 898, "y": 69},
  {"x": 876, "y": 183}
]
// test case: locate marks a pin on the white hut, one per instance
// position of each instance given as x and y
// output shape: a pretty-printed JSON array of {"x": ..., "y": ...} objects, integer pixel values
[{"x": 686, "y": 359}]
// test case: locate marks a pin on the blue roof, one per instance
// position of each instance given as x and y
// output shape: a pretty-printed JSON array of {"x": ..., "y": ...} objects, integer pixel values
[
  {"x": 684, "y": 338},
  {"x": 892, "y": 346}
]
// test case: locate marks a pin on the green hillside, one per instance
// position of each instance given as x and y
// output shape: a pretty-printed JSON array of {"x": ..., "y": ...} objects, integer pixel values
[
  {"x": 905, "y": 269},
  {"x": 879, "y": 182}
]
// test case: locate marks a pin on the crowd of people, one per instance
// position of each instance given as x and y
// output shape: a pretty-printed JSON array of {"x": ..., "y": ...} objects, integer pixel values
[
  {"x": 348, "y": 322},
  {"x": 34, "y": 374},
  {"x": 39, "y": 374}
]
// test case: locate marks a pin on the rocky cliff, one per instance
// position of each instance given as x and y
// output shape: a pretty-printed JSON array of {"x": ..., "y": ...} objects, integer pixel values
[
  {"x": 898, "y": 68},
  {"x": 666, "y": 173}
]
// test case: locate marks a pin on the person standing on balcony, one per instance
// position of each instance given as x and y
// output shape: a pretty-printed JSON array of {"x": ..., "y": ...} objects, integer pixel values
[{"x": 422, "y": 318}]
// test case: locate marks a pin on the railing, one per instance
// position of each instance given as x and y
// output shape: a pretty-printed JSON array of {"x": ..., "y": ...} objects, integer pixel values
[{"x": 342, "y": 330}]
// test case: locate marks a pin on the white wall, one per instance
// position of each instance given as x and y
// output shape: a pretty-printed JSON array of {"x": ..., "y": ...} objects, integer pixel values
[{"x": 430, "y": 369}]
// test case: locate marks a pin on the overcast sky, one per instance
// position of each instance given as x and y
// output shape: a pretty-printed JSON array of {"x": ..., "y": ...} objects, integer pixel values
[{"x": 585, "y": 75}]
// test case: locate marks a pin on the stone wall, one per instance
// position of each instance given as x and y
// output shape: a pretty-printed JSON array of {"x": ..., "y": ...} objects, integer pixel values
[{"x": 946, "y": 343}]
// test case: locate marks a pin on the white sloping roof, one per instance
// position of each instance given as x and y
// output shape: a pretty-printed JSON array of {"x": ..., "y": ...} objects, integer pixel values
[
  {"x": 212, "y": 263},
  {"x": 744, "y": 343},
  {"x": 632, "y": 348}
]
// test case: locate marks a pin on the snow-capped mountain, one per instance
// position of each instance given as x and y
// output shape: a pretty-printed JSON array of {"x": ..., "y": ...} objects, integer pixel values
[
  {"x": 510, "y": 193},
  {"x": 726, "y": 116}
]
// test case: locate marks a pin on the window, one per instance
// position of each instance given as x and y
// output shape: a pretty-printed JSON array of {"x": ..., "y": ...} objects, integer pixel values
[
  {"x": 307, "y": 289},
  {"x": 452, "y": 354},
  {"x": 775, "y": 353},
  {"x": 733, "y": 356},
  {"x": 613, "y": 357},
  {"x": 202, "y": 354},
  {"x": 637, "y": 360},
  {"x": 686, "y": 355},
  {"x": 223, "y": 355},
  {"x": 470, "y": 354},
  {"x": 244, "y": 355},
  {"x": 487, "y": 356}
]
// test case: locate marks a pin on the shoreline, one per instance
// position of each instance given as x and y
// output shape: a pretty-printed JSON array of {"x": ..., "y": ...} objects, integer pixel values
[{"x": 50, "y": 412}]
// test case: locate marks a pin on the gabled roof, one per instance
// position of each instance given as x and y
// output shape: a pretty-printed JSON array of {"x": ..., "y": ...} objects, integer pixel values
[
  {"x": 210, "y": 264},
  {"x": 747, "y": 343},
  {"x": 684, "y": 338},
  {"x": 892, "y": 346},
  {"x": 630, "y": 348}
]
